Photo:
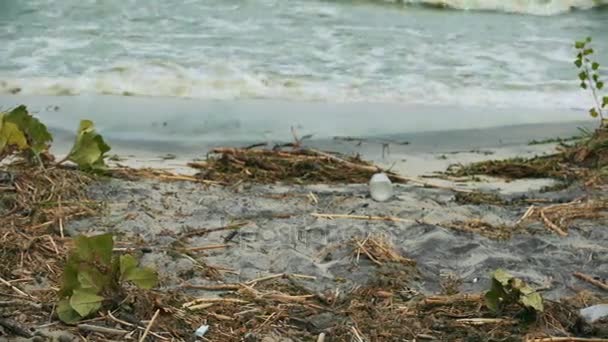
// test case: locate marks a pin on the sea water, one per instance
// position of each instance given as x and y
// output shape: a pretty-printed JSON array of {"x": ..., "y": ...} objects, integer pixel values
[{"x": 448, "y": 55}]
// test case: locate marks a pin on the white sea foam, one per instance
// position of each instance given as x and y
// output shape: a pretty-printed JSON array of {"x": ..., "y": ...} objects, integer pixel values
[{"x": 534, "y": 7}]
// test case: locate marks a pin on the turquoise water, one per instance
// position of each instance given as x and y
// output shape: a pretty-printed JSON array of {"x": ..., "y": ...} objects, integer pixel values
[{"x": 479, "y": 53}]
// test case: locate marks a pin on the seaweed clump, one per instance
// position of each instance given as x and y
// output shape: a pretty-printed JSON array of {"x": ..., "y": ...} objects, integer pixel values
[
  {"x": 300, "y": 166},
  {"x": 583, "y": 161}
]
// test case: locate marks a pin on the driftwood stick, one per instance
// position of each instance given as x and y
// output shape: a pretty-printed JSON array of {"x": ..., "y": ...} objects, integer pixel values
[
  {"x": 567, "y": 339},
  {"x": 214, "y": 300},
  {"x": 602, "y": 285},
  {"x": 21, "y": 293},
  {"x": 205, "y": 248},
  {"x": 102, "y": 330},
  {"x": 484, "y": 321},
  {"x": 552, "y": 225},
  {"x": 443, "y": 300},
  {"x": 219, "y": 287},
  {"x": 204, "y": 231},
  {"x": 280, "y": 275},
  {"x": 143, "y": 337},
  {"x": 360, "y": 217}
]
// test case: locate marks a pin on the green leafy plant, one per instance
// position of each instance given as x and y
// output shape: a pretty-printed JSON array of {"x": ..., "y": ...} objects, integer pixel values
[
  {"x": 590, "y": 77},
  {"x": 92, "y": 276},
  {"x": 20, "y": 131},
  {"x": 507, "y": 290},
  {"x": 89, "y": 150}
]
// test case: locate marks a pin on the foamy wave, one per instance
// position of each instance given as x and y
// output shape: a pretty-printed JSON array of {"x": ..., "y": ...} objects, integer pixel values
[
  {"x": 535, "y": 7},
  {"x": 167, "y": 80}
]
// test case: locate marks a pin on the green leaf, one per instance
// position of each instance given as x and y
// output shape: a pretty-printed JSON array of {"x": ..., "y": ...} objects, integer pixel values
[
  {"x": 582, "y": 75},
  {"x": 70, "y": 277},
  {"x": 89, "y": 278},
  {"x": 599, "y": 84},
  {"x": 579, "y": 45},
  {"x": 127, "y": 263},
  {"x": 96, "y": 249},
  {"x": 11, "y": 135},
  {"x": 595, "y": 65},
  {"x": 588, "y": 39},
  {"x": 605, "y": 101},
  {"x": 89, "y": 148},
  {"x": 532, "y": 300},
  {"x": 583, "y": 85},
  {"x": 85, "y": 302},
  {"x": 38, "y": 136},
  {"x": 66, "y": 313},
  {"x": 493, "y": 301},
  {"x": 578, "y": 63},
  {"x": 143, "y": 277},
  {"x": 502, "y": 277},
  {"x": 587, "y": 52},
  {"x": 593, "y": 112}
]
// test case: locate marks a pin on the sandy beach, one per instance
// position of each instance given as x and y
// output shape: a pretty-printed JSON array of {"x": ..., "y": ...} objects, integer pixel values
[{"x": 202, "y": 235}]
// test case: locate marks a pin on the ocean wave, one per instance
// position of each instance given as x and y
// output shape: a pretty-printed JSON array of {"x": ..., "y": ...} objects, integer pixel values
[
  {"x": 533, "y": 7},
  {"x": 178, "y": 82}
]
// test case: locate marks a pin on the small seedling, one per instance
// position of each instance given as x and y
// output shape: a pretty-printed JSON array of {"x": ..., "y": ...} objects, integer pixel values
[
  {"x": 507, "y": 290},
  {"x": 590, "y": 77},
  {"x": 89, "y": 150},
  {"x": 92, "y": 276}
]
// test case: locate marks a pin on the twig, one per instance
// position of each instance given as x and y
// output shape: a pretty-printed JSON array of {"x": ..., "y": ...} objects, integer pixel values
[
  {"x": 204, "y": 231},
  {"x": 442, "y": 300},
  {"x": 219, "y": 287},
  {"x": 21, "y": 293},
  {"x": 360, "y": 217},
  {"x": 280, "y": 275},
  {"x": 287, "y": 298},
  {"x": 54, "y": 244},
  {"x": 368, "y": 254},
  {"x": 357, "y": 334},
  {"x": 143, "y": 337},
  {"x": 552, "y": 225},
  {"x": 200, "y": 306},
  {"x": 483, "y": 321},
  {"x": 602, "y": 285},
  {"x": 214, "y": 300},
  {"x": 567, "y": 339},
  {"x": 526, "y": 215},
  {"x": 204, "y": 248},
  {"x": 103, "y": 330}
]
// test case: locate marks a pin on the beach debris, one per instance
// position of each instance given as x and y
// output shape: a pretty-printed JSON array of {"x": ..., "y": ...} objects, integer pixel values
[
  {"x": 594, "y": 313},
  {"x": 201, "y": 331},
  {"x": 380, "y": 187},
  {"x": 557, "y": 217},
  {"x": 379, "y": 250},
  {"x": 592, "y": 280},
  {"x": 360, "y": 217},
  {"x": 478, "y": 226},
  {"x": 506, "y": 290}
]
